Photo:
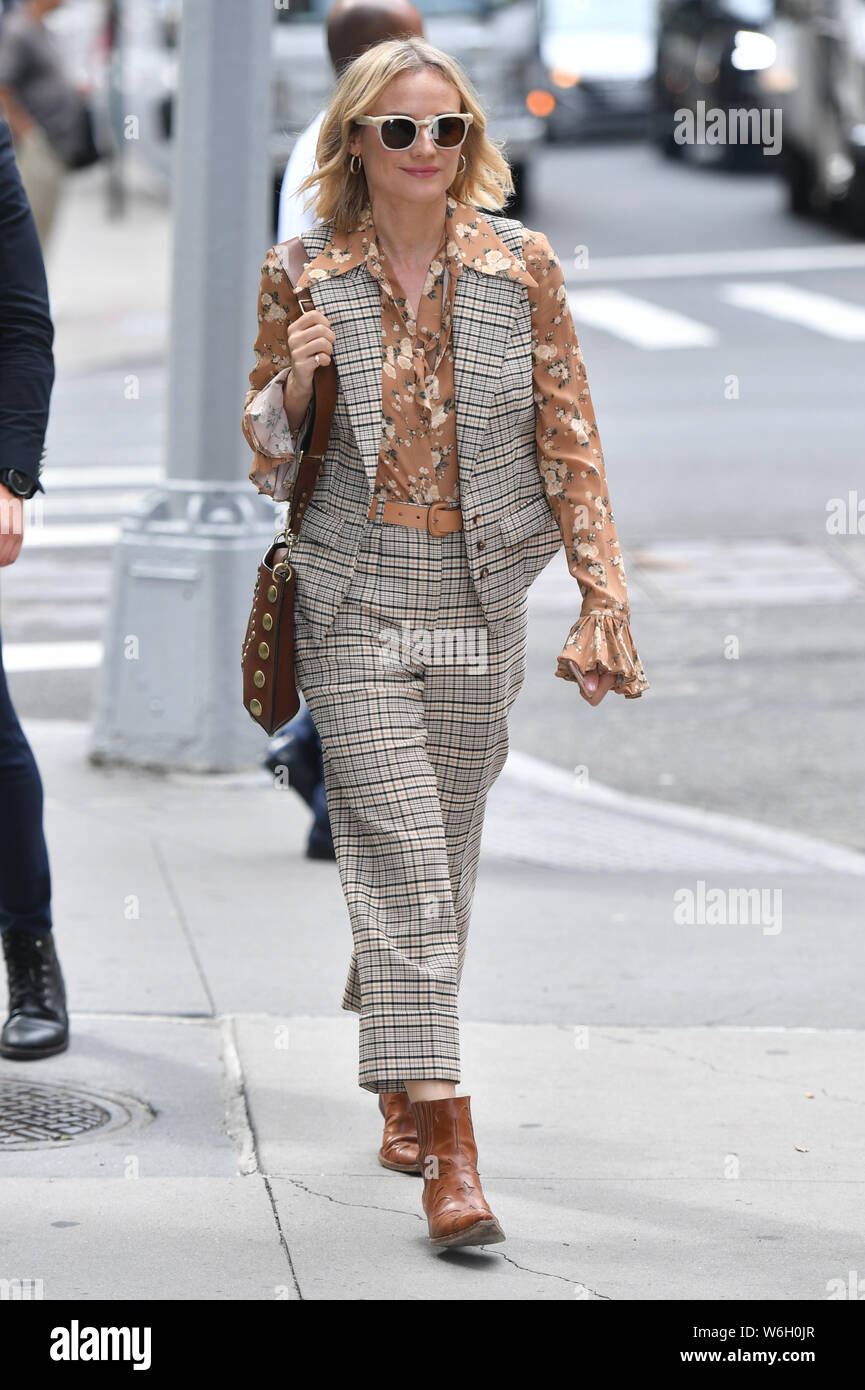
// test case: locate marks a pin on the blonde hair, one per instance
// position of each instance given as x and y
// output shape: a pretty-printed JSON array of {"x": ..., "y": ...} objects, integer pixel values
[{"x": 486, "y": 180}]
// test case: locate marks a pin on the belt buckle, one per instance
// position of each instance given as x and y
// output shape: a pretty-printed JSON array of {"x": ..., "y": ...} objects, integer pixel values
[{"x": 429, "y": 518}]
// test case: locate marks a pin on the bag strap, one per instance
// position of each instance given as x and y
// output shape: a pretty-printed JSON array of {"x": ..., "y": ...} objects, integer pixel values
[{"x": 312, "y": 449}]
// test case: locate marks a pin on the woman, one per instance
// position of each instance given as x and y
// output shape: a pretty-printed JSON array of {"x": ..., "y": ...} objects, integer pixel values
[{"x": 463, "y": 454}]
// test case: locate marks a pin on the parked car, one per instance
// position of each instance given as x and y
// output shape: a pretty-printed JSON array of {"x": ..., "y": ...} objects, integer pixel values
[
  {"x": 819, "y": 81},
  {"x": 712, "y": 52},
  {"x": 599, "y": 60},
  {"x": 496, "y": 41}
]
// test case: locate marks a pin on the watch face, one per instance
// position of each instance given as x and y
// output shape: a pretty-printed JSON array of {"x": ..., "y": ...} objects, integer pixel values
[{"x": 19, "y": 483}]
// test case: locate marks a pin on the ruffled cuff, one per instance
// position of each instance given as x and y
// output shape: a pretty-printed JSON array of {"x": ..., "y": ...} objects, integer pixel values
[
  {"x": 603, "y": 640},
  {"x": 266, "y": 428},
  {"x": 274, "y": 478}
]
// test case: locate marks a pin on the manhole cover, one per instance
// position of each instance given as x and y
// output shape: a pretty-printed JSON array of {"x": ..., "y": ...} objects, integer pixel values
[{"x": 34, "y": 1115}]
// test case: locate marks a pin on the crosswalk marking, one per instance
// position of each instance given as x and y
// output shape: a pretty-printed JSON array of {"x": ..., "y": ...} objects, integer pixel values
[
  {"x": 679, "y": 265},
  {"x": 64, "y": 477},
  {"x": 83, "y": 502},
  {"x": 51, "y": 656},
  {"x": 652, "y": 327},
  {"x": 712, "y": 572},
  {"x": 638, "y": 321},
  {"x": 72, "y": 535},
  {"x": 821, "y": 312}
]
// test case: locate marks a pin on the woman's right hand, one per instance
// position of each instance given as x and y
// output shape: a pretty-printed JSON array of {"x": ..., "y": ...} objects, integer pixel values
[{"x": 308, "y": 335}]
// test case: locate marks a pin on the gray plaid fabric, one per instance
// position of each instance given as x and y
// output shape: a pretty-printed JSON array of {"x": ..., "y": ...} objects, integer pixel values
[
  {"x": 410, "y": 692},
  {"x": 503, "y": 499},
  {"x": 410, "y": 650}
]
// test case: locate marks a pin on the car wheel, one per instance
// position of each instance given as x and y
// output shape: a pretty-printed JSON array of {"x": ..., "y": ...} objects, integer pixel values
[
  {"x": 854, "y": 205},
  {"x": 662, "y": 135},
  {"x": 799, "y": 178}
]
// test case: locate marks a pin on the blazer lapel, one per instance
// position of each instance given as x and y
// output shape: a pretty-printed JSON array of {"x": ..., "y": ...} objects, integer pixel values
[
  {"x": 355, "y": 316},
  {"x": 484, "y": 307}
]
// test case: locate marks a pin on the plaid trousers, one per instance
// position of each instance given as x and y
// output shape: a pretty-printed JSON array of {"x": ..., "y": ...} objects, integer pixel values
[{"x": 410, "y": 690}]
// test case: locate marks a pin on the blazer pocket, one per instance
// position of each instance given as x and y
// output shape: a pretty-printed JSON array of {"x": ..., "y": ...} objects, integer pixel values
[
  {"x": 323, "y": 561},
  {"x": 325, "y": 528},
  {"x": 526, "y": 521},
  {"x": 531, "y": 538}
]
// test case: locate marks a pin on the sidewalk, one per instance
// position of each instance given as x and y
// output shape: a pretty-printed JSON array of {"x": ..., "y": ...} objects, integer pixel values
[
  {"x": 638, "y": 1138},
  {"x": 109, "y": 279}
]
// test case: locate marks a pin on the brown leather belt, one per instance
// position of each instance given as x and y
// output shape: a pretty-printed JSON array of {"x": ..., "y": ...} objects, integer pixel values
[{"x": 438, "y": 518}]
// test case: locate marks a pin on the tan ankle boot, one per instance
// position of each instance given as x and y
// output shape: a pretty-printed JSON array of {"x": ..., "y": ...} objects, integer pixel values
[
  {"x": 455, "y": 1206},
  {"x": 399, "y": 1141}
]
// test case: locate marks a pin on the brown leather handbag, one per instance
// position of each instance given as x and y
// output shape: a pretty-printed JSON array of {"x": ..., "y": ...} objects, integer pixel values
[{"x": 269, "y": 690}]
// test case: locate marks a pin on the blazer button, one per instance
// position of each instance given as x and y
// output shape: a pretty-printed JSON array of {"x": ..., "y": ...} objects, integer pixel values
[
  {"x": 481, "y": 545},
  {"x": 484, "y": 573}
]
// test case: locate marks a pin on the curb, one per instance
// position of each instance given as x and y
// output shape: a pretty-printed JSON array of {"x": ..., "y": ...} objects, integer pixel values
[{"x": 529, "y": 771}]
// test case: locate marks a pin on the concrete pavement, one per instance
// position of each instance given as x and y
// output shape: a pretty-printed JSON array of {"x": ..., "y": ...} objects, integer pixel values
[{"x": 629, "y": 1150}]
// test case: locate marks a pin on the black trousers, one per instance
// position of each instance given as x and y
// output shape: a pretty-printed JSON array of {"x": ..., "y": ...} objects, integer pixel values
[{"x": 25, "y": 878}]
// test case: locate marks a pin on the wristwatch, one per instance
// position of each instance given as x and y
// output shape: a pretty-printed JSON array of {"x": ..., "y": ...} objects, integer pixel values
[{"x": 18, "y": 482}]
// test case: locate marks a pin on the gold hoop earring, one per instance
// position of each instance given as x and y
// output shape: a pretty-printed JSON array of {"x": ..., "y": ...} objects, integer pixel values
[
  {"x": 355, "y": 168},
  {"x": 465, "y": 165}
]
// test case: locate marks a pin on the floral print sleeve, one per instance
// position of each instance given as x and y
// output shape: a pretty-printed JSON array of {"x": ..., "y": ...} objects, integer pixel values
[
  {"x": 572, "y": 466},
  {"x": 264, "y": 423}
]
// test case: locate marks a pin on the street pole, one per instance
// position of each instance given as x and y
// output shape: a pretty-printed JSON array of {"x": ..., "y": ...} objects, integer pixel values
[{"x": 184, "y": 566}]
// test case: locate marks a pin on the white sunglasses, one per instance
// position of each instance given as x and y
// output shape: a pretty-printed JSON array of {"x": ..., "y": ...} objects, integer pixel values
[{"x": 447, "y": 131}]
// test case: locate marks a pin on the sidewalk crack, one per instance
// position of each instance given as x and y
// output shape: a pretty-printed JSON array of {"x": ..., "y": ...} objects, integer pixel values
[
  {"x": 544, "y": 1274},
  {"x": 367, "y": 1206}
]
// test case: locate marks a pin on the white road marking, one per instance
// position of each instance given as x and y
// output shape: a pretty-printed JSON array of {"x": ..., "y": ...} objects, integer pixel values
[
  {"x": 51, "y": 656},
  {"x": 639, "y": 322},
  {"x": 776, "y": 260},
  {"x": 709, "y": 573},
  {"x": 71, "y": 536},
  {"x": 83, "y": 502},
  {"x": 821, "y": 312},
  {"x": 121, "y": 477}
]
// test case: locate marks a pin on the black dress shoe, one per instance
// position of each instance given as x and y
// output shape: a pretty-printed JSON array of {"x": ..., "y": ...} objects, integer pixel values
[
  {"x": 319, "y": 844},
  {"x": 37, "y": 1025}
]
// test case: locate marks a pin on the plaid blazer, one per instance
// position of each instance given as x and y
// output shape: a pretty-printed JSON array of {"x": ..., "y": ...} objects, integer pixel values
[{"x": 502, "y": 492}]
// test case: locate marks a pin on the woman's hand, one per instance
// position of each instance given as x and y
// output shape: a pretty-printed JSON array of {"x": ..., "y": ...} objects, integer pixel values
[
  {"x": 308, "y": 335},
  {"x": 594, "y": 684}
]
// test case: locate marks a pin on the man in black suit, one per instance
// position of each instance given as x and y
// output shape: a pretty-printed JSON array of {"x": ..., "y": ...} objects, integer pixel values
[{"x": 37, "y": 1025}]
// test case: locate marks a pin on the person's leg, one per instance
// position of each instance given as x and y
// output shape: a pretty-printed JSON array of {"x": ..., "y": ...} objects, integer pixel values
[
  {"x": 37, "y": 1025},
  {"x": 25, "y": 878},
  {"x": 471, "y": 683},
  {"x": 392, "y": 856},
  {"x": 365, "y": 694},
  {"x": 468, "y": 696}
]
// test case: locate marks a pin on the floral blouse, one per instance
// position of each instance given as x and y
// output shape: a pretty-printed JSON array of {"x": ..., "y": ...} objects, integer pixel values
[{"x": 418, "y": 453}]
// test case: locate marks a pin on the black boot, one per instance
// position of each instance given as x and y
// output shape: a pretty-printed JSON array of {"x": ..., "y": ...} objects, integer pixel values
[{"x": 37, "y": 1025}]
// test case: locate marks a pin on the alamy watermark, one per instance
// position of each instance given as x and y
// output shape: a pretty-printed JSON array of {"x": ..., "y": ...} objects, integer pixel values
[
  {"x": 752, "y": 125},
  {"x": 728, "y": 907},
  {"x": 440, "y": 646}
]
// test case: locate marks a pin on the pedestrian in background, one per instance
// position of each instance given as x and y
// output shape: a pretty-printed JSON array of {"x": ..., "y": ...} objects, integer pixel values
[
  {"x": 37, "y": 1025},
  {"x": 353, "y": 26},
  {"x": 48, "y": 114},
  {"x": 449, "y": 326}
]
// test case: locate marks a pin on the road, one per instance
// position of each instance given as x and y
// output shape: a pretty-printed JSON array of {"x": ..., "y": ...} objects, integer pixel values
[{"x": 723, "y": 341}]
